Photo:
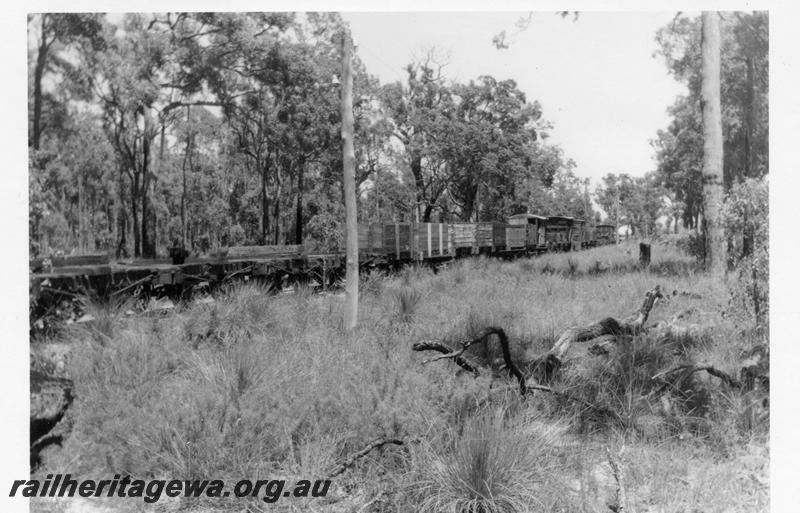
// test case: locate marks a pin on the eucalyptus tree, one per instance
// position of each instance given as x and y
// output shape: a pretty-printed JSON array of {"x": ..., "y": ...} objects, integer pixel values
[
  {"x": 58, "y": 189},
  {"x": 494, "y": 131},
  {"x": 55, "y": 34},
  {"x": 421, "y": 113},
  {"x": 743, "y": 91}
]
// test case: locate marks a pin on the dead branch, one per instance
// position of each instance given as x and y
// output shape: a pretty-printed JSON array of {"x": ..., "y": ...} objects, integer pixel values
[
  {"x": 570, "y": 397},
  {"x": 601, "y": 344},
  {"x": 430, "y": 345},
  {"x": 618, "y": 506},
  {"x": 635, "y": 324},
  {"x": 690, "y": 369},
  {"x": 482, "y": 337},
  {"x": 351, "y": 460}
]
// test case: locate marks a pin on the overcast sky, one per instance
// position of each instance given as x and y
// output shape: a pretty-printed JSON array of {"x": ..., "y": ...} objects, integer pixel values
[{"x": 596, "y": 78}]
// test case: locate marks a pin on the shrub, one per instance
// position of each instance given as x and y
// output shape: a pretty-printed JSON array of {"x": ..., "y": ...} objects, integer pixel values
[{"x": 745, "y": 214}]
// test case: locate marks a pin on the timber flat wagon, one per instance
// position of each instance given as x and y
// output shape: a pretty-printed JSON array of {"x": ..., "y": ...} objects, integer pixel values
[{"x": 58, "y": 279}]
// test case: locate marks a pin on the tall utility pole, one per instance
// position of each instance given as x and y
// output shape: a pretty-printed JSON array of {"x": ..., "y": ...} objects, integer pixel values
[
  {"x": 716, "y": 246},
  {"x": 349, "y": 166}
]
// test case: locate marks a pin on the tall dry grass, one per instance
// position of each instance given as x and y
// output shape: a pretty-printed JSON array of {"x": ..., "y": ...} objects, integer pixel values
[{"x": 260, "y": 385}]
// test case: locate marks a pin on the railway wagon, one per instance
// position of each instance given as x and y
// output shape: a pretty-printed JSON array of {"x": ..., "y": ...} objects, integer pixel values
[
  {"x": 558, "y": 233},
  {"x": 490, "y": 237},
  {"x": 431, "y": 240},
  {"x": 370, "y": 239},
  {"x": 604, "y": 234},
  {"x": 516, "y": 237},
  {"x": 535, "y": 227},
  {"x": 577, "y": 234},
  {"x": 398, "y": 240},
  {"x": 462, "y": 238}
]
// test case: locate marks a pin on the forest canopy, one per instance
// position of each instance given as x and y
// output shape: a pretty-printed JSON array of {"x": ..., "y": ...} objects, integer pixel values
[
  {"x": 204, "y": 130},
  {"x": 212, "y": 129}
]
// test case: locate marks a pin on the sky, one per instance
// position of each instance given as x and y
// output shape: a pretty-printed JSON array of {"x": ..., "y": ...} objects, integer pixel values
[{"x": 596, "y": 78}]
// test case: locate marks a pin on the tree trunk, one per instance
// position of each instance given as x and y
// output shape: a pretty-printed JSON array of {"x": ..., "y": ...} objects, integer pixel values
[
  {"x": 122, "y": 218},
  {"x": 41, "y": 60},
  {"x": 148, "y": 217},
  {"x": 348, "y": 161},
  {"x": 186, "y": 158},
  {"x": 137, "y": 248},
  {"x": 749, "y": 121},
  {"x": 276, "y": 217},
  {"x": 145, "y": 217},
  {"x": 749, "y": 166},
  {"x": 716, "y": 258},
  {"x": 298, "y": 219},
  {"x": 419, "y": 179},
  {"x": 264, "y": 201},
  {"x": 426, "y": 216}
]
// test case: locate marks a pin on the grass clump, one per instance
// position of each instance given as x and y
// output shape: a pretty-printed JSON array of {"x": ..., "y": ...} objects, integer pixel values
[
  {"x": 492, "y": 467},
  {"x": 407, "y": 300}
]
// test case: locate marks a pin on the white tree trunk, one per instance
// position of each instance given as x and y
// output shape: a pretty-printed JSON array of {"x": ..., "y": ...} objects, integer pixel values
[
  {"x": 348, "y": 156},
  {"x": 716, "y": 248}
]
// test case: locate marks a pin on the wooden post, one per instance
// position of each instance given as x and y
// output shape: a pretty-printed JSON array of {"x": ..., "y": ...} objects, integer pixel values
[
  {"x": 644, "y": 254},
  {"x": 348, "y": 161}
]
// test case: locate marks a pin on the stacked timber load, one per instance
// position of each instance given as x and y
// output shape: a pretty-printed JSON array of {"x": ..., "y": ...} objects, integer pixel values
[
  {"x": 73, "y": 260},
  {"x": 261, "y": 252}
]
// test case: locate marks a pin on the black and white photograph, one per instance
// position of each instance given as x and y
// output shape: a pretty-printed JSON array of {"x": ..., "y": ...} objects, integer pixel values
[{"x": 423, "y": 261}]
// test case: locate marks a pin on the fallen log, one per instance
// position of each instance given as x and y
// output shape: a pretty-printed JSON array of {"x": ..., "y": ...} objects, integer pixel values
[
  {"x": 544, "y": 368},
  {"x": 604, "y": 333},
  {"x": 632, "y": 325}
]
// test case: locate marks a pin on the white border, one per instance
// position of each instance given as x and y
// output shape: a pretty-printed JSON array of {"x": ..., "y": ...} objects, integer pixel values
[{"x": 784, "y": 201}]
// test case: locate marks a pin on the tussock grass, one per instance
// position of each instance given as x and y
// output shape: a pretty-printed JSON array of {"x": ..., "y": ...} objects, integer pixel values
[
  {"x": 261, "y": 385},
  {"x": 490, "y": 467},
  {"x": 407, "y": 299}
]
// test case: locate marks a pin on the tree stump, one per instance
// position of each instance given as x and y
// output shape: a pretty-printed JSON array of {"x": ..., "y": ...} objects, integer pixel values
[
  {"x": 644, "y": 254},
  {"x": 178, "y": 255}
]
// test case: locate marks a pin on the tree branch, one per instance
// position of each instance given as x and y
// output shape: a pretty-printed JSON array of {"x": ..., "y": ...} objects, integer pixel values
[{"x": 353, "y": 458}]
